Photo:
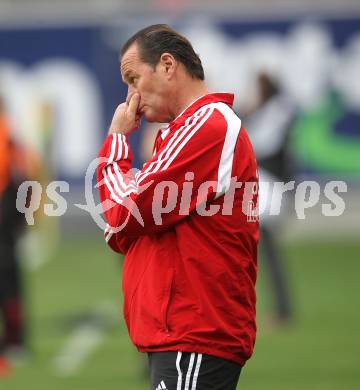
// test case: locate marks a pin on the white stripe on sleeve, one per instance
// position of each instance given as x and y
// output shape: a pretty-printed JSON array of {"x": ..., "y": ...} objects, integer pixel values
[
  {"x": 113, "y": 148},
  {"x": 108, "y": 236},
  {"x": 173, "y": 142},
  {"x": 120, "y": 147},
  {"x": 115, "y": 184},
  {"x": 186, "y": 140},
  {"x": 227, "y": 154},
  {"x": 125, "y": 186},
  {"x": 119, "y": 144},
  {"x": 126, "y": 147},
  {"x": 113, "y": 194}
]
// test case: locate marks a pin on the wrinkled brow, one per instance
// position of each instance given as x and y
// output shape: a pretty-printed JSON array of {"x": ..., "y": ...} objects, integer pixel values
[{"x": 127, "y": 75}]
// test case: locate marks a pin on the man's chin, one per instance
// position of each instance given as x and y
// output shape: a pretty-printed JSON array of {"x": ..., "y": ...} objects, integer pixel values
[{"x": 150, "y": 117}]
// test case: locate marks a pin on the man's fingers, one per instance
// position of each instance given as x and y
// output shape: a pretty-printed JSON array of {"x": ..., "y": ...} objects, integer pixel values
[
  {"x": 126, "y": 117},
  {"x": 133, "y": 105},
  {"x": 128, "y": 97}
]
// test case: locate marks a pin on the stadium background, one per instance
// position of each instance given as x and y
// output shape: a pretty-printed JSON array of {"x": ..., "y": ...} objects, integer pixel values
[{"x": 59, "y": 76}]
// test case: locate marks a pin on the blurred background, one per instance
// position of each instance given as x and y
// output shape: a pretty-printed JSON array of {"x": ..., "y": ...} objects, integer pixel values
[{"x": 294, "y": 68}]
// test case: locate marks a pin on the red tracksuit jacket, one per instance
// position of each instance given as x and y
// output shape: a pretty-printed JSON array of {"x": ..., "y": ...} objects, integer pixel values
[{"x": 190, "y": 252}]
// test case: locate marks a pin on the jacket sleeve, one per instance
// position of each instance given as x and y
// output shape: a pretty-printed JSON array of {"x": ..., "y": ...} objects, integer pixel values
[{"x": 190, "y": 168}]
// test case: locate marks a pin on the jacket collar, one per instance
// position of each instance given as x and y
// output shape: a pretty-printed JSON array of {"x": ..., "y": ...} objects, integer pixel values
[{"x": 227, "y": 98}]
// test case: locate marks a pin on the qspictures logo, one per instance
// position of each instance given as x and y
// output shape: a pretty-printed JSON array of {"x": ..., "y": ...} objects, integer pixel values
[{"x": 169, "y": 196}]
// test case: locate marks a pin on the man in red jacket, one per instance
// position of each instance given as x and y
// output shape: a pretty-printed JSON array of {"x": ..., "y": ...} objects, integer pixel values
[{"x": 186, "y": 222}]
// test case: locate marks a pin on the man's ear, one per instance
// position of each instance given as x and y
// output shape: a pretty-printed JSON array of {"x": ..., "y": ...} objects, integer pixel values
[{"x": 168, "y": 64}]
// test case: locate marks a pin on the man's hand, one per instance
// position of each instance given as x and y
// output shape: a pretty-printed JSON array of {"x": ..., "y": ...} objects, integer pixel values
[{"x": 126, "y": 118}]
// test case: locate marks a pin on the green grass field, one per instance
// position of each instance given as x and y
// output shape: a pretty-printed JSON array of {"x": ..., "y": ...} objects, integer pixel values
[{"x": 81, "y": 285}]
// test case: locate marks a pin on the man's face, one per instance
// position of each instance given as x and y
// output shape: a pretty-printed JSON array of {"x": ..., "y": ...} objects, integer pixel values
[{"x": 148, "y": 82}]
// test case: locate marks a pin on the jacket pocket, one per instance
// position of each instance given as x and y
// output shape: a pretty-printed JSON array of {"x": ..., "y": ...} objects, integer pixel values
[
  {"x": 147, "y": 310},
  {"x": 168, "y": 296}
]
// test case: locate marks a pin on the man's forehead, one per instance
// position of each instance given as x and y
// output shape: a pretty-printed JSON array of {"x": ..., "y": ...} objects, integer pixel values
[{"x": 130, "y": 57}]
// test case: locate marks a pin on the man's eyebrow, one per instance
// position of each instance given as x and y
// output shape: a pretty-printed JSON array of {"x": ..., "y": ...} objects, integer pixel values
[{"x": 127, "y": 75}]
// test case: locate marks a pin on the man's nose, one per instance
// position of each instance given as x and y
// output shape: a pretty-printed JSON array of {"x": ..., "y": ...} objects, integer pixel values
[{"x": 131, "y": 90}]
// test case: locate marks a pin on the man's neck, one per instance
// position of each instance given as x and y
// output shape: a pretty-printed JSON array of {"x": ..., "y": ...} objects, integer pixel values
[{"x": 193, "y": 92}]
